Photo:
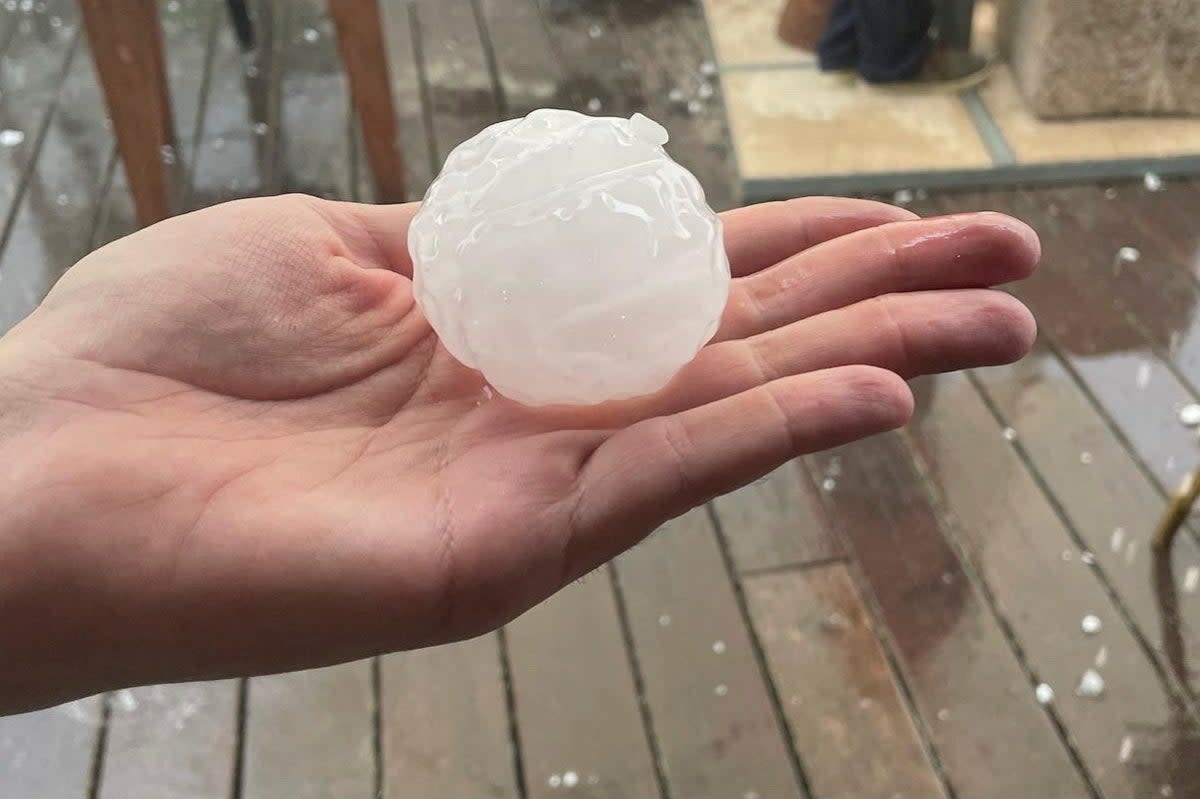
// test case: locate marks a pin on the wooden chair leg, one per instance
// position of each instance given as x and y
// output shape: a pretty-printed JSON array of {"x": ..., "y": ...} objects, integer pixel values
[
  {"x": 126, "y": 44},
  {"x": 360, "y": 40}
]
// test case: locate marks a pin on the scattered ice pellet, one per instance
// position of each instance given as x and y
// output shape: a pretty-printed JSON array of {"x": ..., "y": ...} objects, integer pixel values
[
  {"x": 1129, "y": 254},
  {"x": 11, "y": 137},
  {"x": 1010, "y": 434},
  {"x": 554, "y": 781},
  {"x": 721, "y": 690},
  {"x": 168, "y": 154},
  {"x": 1091, "y": 685},
  {"x": 1126, "y": 750},
  {"x": 595, "y": 32},
  {"x": 62, "y": 200},
  {"x": 56, "y": 22},
  {"x": 1131, "y": 552},
  {"x": 834, "y": 468},
  {"x": 865, "y": 703},
  {"x": 677, "y": 96},
  {"x": 902, "y": 196},
  {"x": 261, "y": 128},
  {"x": 1166, "y": 790},
  {"x": 1085, "y": 457},
  {"x": 252, "y": 70},
  {"x": 828, "y": 484},
  {"x": 1191, "y": 579},
  {"x": 695, "y": 107},
  {"x": 1090, "y": 624},
  {"x": 593, "y": 779},
  {"x": 708, "y": 69},
  {"x": 594, "y": 105},
  {"x": 1044, "y": 693},
  {"x": 1088, "y": 558},
  {"x": 1117, "y": 539},
  {"x": 1189, "y": 415},
  {"x": 705, "y": 90},
  {"x": 1152, "y": 181},
  {"x": 1066, "y": 556},
  {"x": 943, "y": 714},
  {"x": 570, "y": 779},
  {"x": 1102, "y": 657},
  {"x": 311, "y": 35},
  {"x": 664, "y": 620},
  {"x": 947, "y": 578},
  {"x": 1110, "y": 193},
  {"x": 218, "y": 144},
  {"x": 718, "y": 647}
]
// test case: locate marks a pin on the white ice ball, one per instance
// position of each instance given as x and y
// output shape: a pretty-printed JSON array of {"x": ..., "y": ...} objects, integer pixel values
[{"x": 569, "y": 259}]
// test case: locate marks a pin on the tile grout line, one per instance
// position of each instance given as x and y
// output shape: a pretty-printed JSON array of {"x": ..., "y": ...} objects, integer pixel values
[
  {"x": 791, "y": 567},
  {"x": 639, "y": 684},
  {"x": 510, "y": 707},
  {"x": 799, "y": 773},
  {"x": 880, "y": 632},
  {"x": 949, "y": 526},
  {"x": 1165, "y": 674}
]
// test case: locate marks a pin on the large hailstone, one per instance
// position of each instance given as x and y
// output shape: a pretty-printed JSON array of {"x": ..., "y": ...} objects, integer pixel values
[{"x": 569, "y": 259}]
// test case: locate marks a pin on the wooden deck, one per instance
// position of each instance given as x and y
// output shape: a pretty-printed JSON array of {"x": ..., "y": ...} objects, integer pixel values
[{"x": 869, "y": 622}]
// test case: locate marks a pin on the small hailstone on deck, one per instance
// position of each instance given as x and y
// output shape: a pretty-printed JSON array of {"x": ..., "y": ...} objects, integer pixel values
[
  {"x": 1085, "y": 457},
  {"x": 704, "y": 90},
  {"x": 1166, "y": 790},
  {"x": 943, "y": 714},
  {"x": 261, "y": 128},
  {"x": 718, "y": 647},
  {"x": 1131, "y": 551},
  {"x": 721, "y": 690},
  {"x": 695, "y": 107},
  {"x": 1129, "y": 254},
  {"x": 1118, "y": 538},
  {"x": 594, "y": 105},
  {"x": 677, "y": 96},
  {"x": 902, "y": 196},
  {"x": 1126, "y": 750},
  {"x": 595, "y": 32},
  {"x": 311, "y": 35},
  {"x": 554, "y": 781},
  {"x": 1088, "y": 558},
  {"x": 664, "y": 620},
  {"x": 1191, "y": 579},
  {"x": 828, "y": 484},
  {"x": 1090, "y": 624},
  {"x": 1044, "y": 693},
  {"x": 62, "y": 200},
  {"x": 11, "y": 137},
  {"x": 1110, "y": 193},
  {"x": 1189, "y": 415},
  {"x": 1152, "y": 181},
  {"x": 578, "y": 237},
  {"x": 570, "y": 779},
  {"x": 1010, "y": 434},
  {"x": 708, "y": 69},
  {"x": 1091, "y": 685}
]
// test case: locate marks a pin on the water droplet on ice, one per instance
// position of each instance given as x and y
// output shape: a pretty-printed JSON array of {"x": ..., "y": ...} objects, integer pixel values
[
  {"x": 1044, "y": 693},
  {"x": 1090, "y": 624}
]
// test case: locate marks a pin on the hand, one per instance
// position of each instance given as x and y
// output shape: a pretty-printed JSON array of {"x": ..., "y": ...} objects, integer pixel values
[{"x": 235, "y": 446}]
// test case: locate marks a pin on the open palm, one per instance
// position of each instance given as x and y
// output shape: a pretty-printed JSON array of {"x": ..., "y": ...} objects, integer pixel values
[{"x": 240, "y": 448}]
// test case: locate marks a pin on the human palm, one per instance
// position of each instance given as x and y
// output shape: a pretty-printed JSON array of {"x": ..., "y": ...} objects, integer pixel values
[{"x": 240, "y": 448}]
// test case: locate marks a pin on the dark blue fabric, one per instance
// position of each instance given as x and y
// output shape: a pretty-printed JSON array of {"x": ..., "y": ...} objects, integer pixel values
[{"x": 885, "y": 40}]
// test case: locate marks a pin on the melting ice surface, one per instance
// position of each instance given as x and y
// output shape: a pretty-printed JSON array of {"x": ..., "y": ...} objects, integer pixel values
[{"x": 569, "y": 259}]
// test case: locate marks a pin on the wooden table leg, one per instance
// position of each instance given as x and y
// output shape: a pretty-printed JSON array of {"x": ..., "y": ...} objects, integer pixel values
[
  {"x": 126, "y": 44},
  {"x": 360, "y": 39}
]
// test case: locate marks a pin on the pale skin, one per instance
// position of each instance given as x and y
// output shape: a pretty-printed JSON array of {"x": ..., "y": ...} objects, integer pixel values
[{"x": 232, "y": 444}]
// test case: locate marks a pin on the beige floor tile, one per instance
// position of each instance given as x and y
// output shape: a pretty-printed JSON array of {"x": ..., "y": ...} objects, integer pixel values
[
  {"x": 743, "y": 32},
  {"x": 1034, "y": 141},
  {"x": 798, "y": 123}
]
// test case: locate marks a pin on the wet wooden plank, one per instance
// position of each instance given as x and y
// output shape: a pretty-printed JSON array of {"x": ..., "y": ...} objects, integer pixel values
[
  {"x": 458, "y": 82},
  {"x": 1109, "y": 501},
  {"x": 717, "y": 729},
  {"x": 847, "y": 718},
  {"x": 445, "y": 729},
  {"x": 668, "y": 46},
  {"x": 1107, "y": 351},
  {"x": 598, "y": 75},
  {"x": 575, "y": 698},
  {"x": 530, "y": 66},
  {"x": 310, "y": 734},
  {"x": 776, "y": 522},
  {"x": 48, "y": 754},
  {"x": 1014, "y": 540},
  {"x": 953, "y": 655},
  {"x": 411, "y": 120},
  {"x": 171, "y": 741}
]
